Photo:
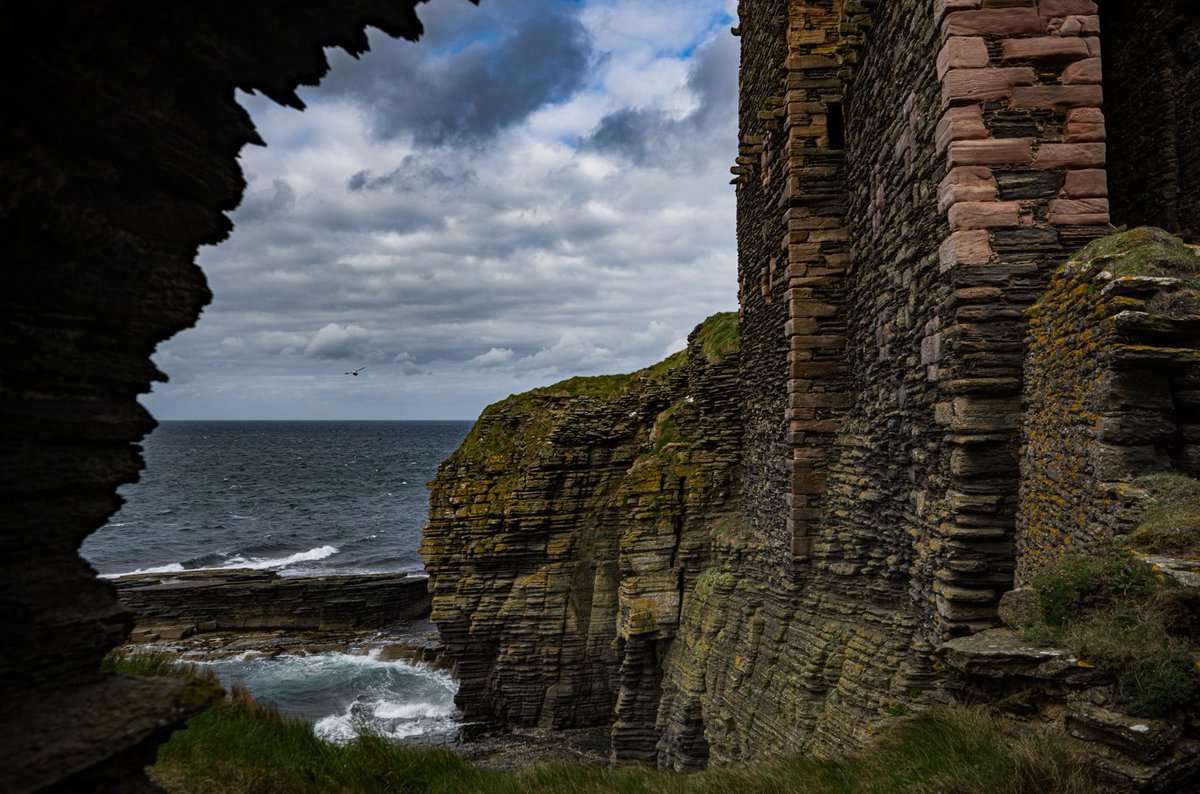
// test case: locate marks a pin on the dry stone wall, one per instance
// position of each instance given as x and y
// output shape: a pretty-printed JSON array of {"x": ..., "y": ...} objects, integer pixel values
[{"x": 1110, "y": 395}]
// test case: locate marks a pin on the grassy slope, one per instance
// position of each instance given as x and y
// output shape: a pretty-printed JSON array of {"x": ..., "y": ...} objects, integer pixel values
[{"x": 240, "y": 746}]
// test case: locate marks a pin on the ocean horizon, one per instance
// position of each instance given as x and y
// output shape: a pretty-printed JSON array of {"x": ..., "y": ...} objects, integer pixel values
[{"x": 296, "y": 496}]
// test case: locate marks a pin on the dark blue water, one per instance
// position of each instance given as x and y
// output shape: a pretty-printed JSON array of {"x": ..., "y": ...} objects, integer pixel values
[{"x": 300, "y": 498}]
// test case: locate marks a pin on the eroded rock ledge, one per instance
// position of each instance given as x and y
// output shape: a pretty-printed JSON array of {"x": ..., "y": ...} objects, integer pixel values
[{"x": 176, "y": 605}]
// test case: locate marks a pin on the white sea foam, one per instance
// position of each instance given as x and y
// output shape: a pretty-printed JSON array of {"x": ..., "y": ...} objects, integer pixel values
[
  {"x": 345, "y": 695},
  {"x": 388, "y": 710},
  {"x": 238, "y": 561},
  {"x": 311, "y": 555},
  {"x": 173, "y": 567}
]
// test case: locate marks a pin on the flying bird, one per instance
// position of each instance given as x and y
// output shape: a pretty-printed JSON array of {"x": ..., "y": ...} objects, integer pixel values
[{"x": 355, "y": 372}]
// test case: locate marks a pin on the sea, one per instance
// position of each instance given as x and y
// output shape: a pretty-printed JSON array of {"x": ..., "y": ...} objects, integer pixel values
[{"x": 302, "y": 499}]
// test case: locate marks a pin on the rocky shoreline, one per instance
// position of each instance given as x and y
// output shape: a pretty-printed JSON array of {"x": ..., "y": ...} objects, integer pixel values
[
  {"x": 170, "y": 606},
  {"x": 202, "y": 616}
]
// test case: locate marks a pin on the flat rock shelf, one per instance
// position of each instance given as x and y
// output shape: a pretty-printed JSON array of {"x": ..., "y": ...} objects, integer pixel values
[{"x": 179, "y": 605}]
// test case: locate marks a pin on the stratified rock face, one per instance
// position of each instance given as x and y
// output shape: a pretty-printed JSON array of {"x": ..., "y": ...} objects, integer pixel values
[
  {"x": 567, "y": 528},
  {"x": 1112, "y": 393},
  {"x": 245, "y": 600}
]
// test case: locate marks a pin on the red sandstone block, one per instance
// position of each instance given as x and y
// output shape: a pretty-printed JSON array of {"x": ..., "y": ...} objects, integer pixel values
[
  {"x": 799, "y": 218},
  {"x": 1070, "y": 155},
  {"x": 813, "y": 309},
  {"x": 814, "y": 369},
  {"x": 994, "y": 151},
  {"x": 1045, "y": 48},
  {"x": 818, "y": 342},
  {"x": 1063, "y": 8},
  {"x": 1093, "y": 45},
  {"x": 960, "y": 124},
  {"x": 942, "y": 7},
  {"x": 829, "y": 235},
  {"x": 985, "y": 215},
  {"x": 801, "y": 326},
  {"x": 1079, "y": 212},
  {"x": 979, "y": 85},
  {"x": 1086, "y": 183},
  {"x": 1057, "y": 96},
  {"x": 1080, "y": 26},
  {"x": 1082, "y": 131},
  {"x": 993, "y": 22},
  {"x": 814, "y": 281},
  {"x": 965, "y": 248},
  {"x": 802, "y": 544},
  {"x": 812, "y": 62},
  {"x": 804, "y": 252},
  {"x": 1086, "y": 116},
  {"x": 806, "y": 455},
  {"x": 962, "y": 52},
  {"x": 1008, "y": 3},
  {"x": 966, "y": 183},
  {"x": 1085, "y": 72}
]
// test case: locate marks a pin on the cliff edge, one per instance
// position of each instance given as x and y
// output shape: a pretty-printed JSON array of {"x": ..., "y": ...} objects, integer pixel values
[{"x": 566, "y": 530}]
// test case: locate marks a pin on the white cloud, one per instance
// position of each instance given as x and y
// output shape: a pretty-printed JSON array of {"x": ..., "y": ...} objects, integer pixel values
[
  {"x": 496, "y": 357},
  {"x": 337, "y": 341},
  {"x": 556, "y": 253}
]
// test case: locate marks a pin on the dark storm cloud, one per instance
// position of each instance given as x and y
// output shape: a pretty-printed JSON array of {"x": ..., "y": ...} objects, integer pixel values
[
  {"x": 416, "y": 174},
  {"x": 522, "y": 56},
  {"x": 641, "y": 135}
]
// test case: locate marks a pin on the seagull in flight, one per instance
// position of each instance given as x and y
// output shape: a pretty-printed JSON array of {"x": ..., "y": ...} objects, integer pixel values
[{"x": 355, "y": 372}]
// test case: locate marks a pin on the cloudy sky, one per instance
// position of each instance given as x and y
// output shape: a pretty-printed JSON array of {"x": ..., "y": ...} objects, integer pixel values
[{"x": 535, "y": 190}]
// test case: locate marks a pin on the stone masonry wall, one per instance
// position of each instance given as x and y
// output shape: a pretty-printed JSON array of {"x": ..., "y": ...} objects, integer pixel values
[
  {"x": 808, "y": 664},
  {"x": 761, "y": 173},
  {"x": 1152, "y": 86},
  {"x": 1109, "y": 393}
]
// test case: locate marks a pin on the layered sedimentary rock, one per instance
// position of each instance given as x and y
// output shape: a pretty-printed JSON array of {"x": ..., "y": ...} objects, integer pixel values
[
  {"x": 1112, "y": 393},
  {"x": 566, "y": 528},
  {"x": 710, "y": 651},
  {"x": 181, "y": 604}
]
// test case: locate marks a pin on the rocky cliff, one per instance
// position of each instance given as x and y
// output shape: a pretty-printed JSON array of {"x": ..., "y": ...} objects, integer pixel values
[
  {"x": 567, "y": 529},
  {"x": 592, "y": 563}
]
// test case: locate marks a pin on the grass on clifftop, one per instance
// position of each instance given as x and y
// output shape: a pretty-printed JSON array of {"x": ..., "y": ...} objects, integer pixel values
[
  {"x": 1144, "y": 251},
  {"x": 1171, "y": 523},
  {"x": 1116, "y": 612},
  {"x": 718, "y": 336},
  {"x": 240, "y": 746}
]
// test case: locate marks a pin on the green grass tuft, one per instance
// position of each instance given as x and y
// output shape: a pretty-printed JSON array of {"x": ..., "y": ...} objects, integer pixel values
[
  {"x": 1171, "y": 523},
  {"x": 718, "y": 336},
  {"x": 242, "y": 746},
  {"x": 1116, "y": 612},
  {"x": 1144, "y": 251}
]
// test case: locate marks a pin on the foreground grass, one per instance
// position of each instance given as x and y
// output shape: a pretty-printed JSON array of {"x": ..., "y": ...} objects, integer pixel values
[
  {"x": 240, "y": 746},
  {"x": 1118, "y": 613}
]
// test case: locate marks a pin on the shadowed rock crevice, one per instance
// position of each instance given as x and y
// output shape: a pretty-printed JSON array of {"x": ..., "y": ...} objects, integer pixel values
[{"x": 119, "y": 162}]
